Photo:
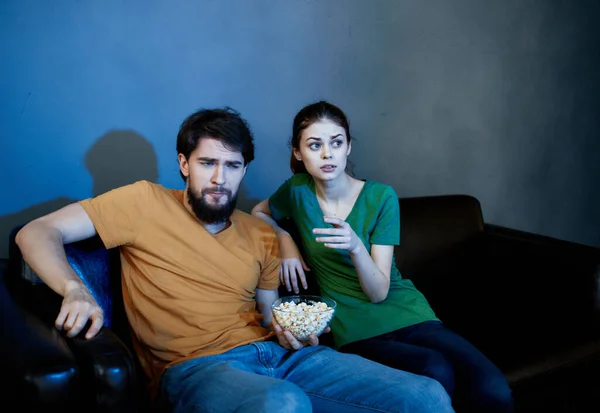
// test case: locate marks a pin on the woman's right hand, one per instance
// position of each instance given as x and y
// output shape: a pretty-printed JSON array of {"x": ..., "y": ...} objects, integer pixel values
[{"x": 292, "y": 265}]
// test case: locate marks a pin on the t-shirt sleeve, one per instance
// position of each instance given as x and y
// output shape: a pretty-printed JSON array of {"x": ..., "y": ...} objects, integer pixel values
[
  {"x": 118, "y": 214},
  {"x": 387, "y": 228},
  {"x": 280, "y": 203},
  {"x": 269, "y": 274}
]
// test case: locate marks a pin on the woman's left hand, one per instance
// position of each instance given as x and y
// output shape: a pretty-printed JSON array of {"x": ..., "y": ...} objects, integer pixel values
[{"x": 342, "y": 236}]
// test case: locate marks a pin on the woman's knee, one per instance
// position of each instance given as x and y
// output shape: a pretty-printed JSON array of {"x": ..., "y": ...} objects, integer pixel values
[
  {"x": 492, "y": 394},
  {"x": 440, "y": 369}
]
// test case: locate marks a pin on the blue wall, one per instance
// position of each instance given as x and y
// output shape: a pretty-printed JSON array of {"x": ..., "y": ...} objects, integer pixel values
[{"x": 495, "y": 99}]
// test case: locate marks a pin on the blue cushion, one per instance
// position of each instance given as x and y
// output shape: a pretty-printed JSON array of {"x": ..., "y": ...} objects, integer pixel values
[{"x": 92, "y": 264}]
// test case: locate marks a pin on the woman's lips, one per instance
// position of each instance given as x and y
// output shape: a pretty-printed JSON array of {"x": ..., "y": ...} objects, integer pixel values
[{"x": 328, "y": 168}]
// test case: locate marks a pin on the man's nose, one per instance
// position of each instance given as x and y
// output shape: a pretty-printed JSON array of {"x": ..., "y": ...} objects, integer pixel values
[{"x": 218, "y": 177}]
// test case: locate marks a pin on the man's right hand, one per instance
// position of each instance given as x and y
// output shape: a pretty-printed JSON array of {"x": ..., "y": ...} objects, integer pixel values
[
  {"x": 77, "y": 308},
  {"x": 288, "y": 341}
]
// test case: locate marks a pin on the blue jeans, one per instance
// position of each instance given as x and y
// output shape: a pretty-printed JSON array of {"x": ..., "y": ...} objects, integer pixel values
[
  {"x": 432, "y": 350},
  {"x": 265, "y": 377}
]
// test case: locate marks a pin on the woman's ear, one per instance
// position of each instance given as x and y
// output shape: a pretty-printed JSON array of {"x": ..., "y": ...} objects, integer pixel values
[
  {"x": 297, "y": 155},
  {"x": 349, "y": 149}
]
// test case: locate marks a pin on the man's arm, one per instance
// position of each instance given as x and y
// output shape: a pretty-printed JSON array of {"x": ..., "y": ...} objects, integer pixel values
[
  {"x": 42, "y": 244},
  {"x": 264, "y": 299}
]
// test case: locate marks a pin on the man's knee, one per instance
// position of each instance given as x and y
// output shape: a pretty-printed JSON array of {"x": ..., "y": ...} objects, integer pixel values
[
  {"x": 436, "y": 398},
  {"x": 283, "y": 397}
]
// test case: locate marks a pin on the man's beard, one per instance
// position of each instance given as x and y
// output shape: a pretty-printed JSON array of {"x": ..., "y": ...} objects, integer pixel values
[{"x": 210, "y": 214}]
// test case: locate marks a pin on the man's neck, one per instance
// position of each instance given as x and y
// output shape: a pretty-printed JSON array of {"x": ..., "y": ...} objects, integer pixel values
[{"x": 216, "y": 227}]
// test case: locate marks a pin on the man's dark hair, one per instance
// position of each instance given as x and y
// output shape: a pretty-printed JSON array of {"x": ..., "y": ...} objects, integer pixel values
[{"x": 225, "y": 125}]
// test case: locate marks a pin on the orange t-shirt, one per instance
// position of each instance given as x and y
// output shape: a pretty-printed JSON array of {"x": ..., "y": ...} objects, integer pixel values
[{"x": 187, "y": 293}]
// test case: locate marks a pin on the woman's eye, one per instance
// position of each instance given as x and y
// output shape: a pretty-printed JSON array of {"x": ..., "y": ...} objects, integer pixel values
[
  {"x": 314, "y": 146},
  {"x": 337, "y": 144}
]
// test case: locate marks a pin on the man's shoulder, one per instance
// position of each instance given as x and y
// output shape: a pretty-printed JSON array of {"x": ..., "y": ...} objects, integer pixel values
[
  {"x": 153, "y": 186},
  {"x": 154, "y": 189},
  {"x": 249, "y": 221},
  {"x": 252, "y": 228}
]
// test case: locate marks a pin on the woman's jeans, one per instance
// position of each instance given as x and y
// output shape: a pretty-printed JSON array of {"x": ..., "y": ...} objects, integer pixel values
[
  {"x": 430, "y": 349},
  {"x": 264, "y": 377}
]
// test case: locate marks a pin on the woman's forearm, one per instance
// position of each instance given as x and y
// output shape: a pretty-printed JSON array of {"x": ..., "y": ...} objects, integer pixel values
[{"x": 372, "y": 281}]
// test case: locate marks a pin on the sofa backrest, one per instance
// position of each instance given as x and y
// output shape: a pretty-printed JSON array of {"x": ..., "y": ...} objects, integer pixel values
[{"x": 431, "y": 225}]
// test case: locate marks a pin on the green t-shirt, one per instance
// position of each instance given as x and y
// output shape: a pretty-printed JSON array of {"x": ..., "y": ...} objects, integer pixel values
[{"x": 375, "y": 218}]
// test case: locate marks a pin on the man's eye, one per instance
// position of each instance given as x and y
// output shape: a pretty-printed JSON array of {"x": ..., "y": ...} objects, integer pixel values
[
  {"x": 235, "y": 166},
  {"x": 207, "y": 163}
]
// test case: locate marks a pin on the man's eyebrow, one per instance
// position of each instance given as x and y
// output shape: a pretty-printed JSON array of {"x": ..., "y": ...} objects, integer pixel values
[{"x": 215, "y": 160}]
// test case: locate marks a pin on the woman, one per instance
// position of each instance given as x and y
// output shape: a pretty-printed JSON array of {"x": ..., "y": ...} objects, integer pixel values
[{"x": 348, "y": 228}]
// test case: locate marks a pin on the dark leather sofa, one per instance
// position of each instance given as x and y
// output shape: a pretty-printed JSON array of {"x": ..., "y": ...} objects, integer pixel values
[{"x": 530, "y": 303}]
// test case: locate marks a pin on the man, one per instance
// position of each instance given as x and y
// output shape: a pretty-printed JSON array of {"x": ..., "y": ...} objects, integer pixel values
[{"x": 198, "y": 279}]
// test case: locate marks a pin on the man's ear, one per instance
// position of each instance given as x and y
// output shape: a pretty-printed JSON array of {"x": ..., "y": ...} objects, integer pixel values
[{"x": 183, "y": 165}]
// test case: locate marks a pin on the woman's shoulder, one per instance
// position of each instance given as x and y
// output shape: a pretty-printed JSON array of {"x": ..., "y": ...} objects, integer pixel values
[
  {"x": 375, "y": 188},
  {"x": 299, "y": 180}
]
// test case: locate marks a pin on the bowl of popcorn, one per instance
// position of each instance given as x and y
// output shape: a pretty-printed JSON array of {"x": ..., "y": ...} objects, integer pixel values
[{"x": 303, "y": 315}]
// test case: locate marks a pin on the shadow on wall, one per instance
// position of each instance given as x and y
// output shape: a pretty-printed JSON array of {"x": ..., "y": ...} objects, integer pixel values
[{"x": 117, "y": 158}]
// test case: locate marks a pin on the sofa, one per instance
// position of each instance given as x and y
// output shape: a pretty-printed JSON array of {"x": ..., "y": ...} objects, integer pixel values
[{"x": 530, "y": 303}]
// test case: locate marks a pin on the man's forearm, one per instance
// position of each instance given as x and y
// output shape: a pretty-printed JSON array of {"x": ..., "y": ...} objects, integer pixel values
[{"x": 42, "y": 248}]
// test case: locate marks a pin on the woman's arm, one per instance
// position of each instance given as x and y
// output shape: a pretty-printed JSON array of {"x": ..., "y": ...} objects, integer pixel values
[
  {"x": 292, "y": 264},
  {"x": 373, "y": 269},
  {"x": 262, "y": 211}
]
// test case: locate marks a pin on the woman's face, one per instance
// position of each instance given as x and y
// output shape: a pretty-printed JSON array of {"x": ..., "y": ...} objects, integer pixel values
[{"x": 324, "y": 149}]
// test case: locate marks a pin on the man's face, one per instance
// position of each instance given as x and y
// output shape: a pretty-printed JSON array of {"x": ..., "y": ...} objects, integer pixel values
[{"x": 214, "y": 174}]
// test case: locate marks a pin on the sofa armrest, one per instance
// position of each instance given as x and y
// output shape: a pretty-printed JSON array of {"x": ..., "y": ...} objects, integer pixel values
[
  {"x": 42, "y": 370},
  {"x": 515, "y": 295},
  {"x": 540, "y": 240},
  {"x": 107, "y": 369},
  {"x": 548, "y": 272}
]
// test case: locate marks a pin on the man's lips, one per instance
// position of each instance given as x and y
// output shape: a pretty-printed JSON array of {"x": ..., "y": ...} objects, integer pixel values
[{"x": 217, "y": 194}]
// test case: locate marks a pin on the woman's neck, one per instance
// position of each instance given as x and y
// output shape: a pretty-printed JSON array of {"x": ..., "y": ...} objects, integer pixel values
[{"x": 335, "y": 191}]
